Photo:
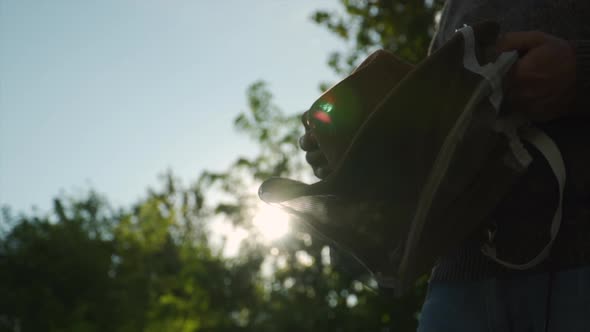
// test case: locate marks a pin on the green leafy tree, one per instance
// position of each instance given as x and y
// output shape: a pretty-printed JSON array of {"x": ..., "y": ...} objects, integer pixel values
[{"x": 404, "y": 27}]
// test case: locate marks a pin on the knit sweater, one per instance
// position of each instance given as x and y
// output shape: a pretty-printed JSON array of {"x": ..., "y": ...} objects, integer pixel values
[{"x": 523, "y": 219}]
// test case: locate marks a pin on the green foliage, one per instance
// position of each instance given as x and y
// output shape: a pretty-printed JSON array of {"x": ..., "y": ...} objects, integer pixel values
[
  {"x": 153, "y": 266},
  {"x": 404, "y": 27},
  {"x": 275, "y": 133},
  {"x": 59, "y": 276}
]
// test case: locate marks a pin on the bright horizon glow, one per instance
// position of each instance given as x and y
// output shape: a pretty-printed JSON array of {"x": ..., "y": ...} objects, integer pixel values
[{"x": 271, "y": 222}]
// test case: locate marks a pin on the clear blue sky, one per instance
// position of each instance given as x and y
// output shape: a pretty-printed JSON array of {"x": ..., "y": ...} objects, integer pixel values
[{"x": 108, "y": 94}]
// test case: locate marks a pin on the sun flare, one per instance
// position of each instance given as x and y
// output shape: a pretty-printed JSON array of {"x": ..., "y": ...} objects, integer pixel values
[{"x": 271, "y": 222}]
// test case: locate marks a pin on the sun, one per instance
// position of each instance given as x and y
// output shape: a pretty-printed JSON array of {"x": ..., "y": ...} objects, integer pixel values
[{"x": 271, "y": 222}]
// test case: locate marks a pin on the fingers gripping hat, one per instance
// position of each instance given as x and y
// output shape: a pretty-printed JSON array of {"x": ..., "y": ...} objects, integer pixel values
[{"x": 421, "y": 155}]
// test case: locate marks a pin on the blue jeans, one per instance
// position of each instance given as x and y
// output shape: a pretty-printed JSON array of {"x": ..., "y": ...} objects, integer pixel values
[{"x": 516, "y": 304}]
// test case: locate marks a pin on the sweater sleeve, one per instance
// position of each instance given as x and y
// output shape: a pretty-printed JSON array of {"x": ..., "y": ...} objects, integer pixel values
[{"x": 582, "y": 99}]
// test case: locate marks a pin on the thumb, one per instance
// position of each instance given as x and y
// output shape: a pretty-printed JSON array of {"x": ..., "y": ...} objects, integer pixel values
[{"x": 521, "y": 41}]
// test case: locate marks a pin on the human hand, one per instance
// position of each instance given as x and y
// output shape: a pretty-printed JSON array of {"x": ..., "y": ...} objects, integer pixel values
[
  {"x": 314, "y": 156},
  {"x": 542, "y": 82}
]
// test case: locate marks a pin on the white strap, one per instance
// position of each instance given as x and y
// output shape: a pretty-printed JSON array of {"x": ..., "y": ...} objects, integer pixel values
[
  {"x": 492, "y": 72},
  {"x": 509, "y": 125},
  {"x": 551, "y": 152}
]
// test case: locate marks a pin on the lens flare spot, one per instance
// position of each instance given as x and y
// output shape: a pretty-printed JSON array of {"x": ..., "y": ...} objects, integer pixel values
[
  {"x": 327, "y": 107},
  {"x": 322, "y": 117},
  {"x": 329, "y": 98}
]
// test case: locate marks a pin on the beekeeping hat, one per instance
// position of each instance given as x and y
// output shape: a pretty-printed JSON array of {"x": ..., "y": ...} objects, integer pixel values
[{"x": 420, "y": 156}]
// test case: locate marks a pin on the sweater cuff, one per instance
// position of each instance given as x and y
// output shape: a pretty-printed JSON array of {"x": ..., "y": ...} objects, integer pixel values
[{"x": 582, "y": 99}]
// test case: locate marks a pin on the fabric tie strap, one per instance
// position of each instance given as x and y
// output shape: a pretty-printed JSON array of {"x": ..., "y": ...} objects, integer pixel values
[
  {"x": 514, "y": 128},
  {"x": 550, "y": 151}
]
